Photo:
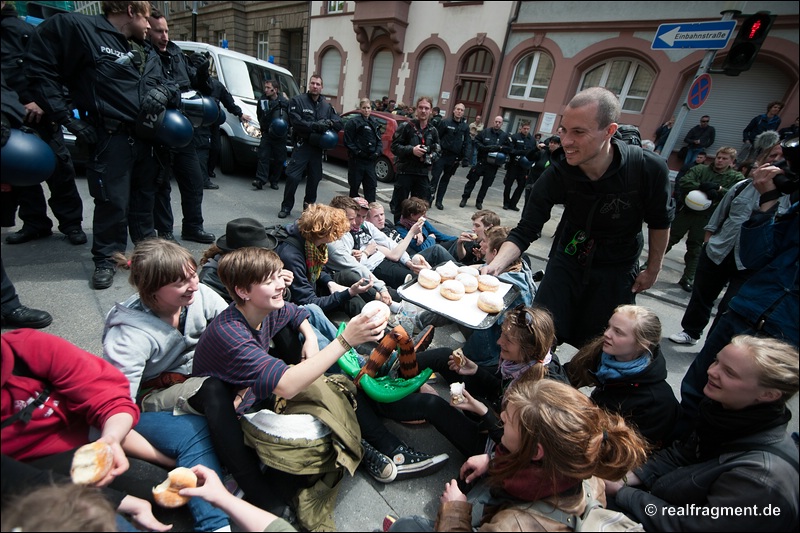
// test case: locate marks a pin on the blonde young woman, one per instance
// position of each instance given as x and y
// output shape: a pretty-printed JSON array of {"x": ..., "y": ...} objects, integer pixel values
[{"x": 555, "y": 444}]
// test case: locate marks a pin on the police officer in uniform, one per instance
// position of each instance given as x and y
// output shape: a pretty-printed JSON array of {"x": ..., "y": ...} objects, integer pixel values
[
  {"x": 310, "y": 115},
  {"x": 65, "y": 200},
  {"x": 362, "y": 137},
  {"x": 184, "y": 162},
  {"x": 522, "y": 142},
  {"x": 456, "y": 141},
  {"x": 489, "y": 140},
  {"x": 273, "y": 106},
  {"x": 92, "y": 57}
]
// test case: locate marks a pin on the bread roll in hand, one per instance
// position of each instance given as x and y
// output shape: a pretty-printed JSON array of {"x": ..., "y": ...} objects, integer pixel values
[
  {"x": 166, "y": 494},
  {"x": 91, "y": 463}
]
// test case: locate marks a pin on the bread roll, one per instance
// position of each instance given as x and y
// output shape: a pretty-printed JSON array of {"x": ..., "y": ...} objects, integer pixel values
[
  {"x": 447, "y": 271},
  {"x": 452, "y": 289},
  {"x": 91, "y": 463},
  {"x": 488, "y": 283},
  {"x": 166, "y": 494},
  {"x": 374, "y": 308},
  {"x": 428, "y": 278},
  {"x": 470, "y": 282},
  {"x": 457, "y": 393},
  {"x": 472, "y": 271},
  {"x": 490, "y": 302},
  {"x": 458, "y": 357}
]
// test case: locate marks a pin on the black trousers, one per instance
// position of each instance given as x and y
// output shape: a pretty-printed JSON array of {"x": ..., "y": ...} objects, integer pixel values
[
  {"x": 202, "y": 145},
  {"x": 214, "y": 149},
  {"x": 120, "y": 163},
  {"x": 185, "y": 166},
  {"x": 709, "y": 281},
  {"x": 481, "y": 169},
  {"x": 271, "y": 159},
  {"x": 517, "y": 175},
  {"x": 405, "y": 186},
  {"x": 441, "y": 172},
  {"x": 362, "y": 172},
  {"x": 306, "y": 160}
]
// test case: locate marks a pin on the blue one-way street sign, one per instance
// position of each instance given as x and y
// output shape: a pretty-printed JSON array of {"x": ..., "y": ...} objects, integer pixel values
[{"x": 712, "y": 35}]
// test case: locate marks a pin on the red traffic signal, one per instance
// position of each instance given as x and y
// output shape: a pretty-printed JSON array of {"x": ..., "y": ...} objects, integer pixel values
[{"x": 745, "y": 47}]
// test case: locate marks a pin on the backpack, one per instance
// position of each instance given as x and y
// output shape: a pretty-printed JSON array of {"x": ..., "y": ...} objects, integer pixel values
[
  {"x": 629, "y": 133},
  {"x": 281, "y": 234}
]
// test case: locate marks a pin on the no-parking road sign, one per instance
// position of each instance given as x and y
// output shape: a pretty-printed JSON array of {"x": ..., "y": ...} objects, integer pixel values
[{"x": 699, "y": 91}]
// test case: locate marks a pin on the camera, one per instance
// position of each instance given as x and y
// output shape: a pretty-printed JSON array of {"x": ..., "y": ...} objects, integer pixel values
[{"x": 789, "y": 181}]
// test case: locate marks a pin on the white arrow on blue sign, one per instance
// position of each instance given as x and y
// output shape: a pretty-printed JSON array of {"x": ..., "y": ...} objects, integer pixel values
[{"x": 712, "y": 35}]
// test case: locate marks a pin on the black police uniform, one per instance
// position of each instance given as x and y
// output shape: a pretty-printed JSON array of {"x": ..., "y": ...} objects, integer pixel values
[
  {"x": 65, "y": 200},
  {"x": 455, "y": 140},
  {"x": 412, "y": 171},
  {"x": 85, "y": 54},
  {"x": 487, "y": 141},
  {"x": 304, "y": 117},
  {"x": 362, "y": 137},
  {"x": 220, "y": 95},
  {"x": 184, "y": 162},
  {"x": 272, "y": 148},
  {"x": 515, "y": 173}
]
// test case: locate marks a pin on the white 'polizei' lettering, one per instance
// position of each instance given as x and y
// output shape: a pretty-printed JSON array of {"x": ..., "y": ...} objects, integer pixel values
[{"x": 107, "y": 50}]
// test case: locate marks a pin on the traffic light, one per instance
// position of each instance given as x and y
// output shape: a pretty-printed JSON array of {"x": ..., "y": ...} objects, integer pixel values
[{"x": 752, "y": 34}]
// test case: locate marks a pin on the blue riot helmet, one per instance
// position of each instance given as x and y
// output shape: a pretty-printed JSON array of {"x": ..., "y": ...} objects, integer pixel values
[
  {"x": 524, "y": 162},
  {"x": 169, "y": 128},
  {"x": 328, "y": 140},
  {"x": 200, "y": 110},
  {"x": 496, "y": 158},
  {"x": 278, "y": 127},
  {"x": 26, "y": 159}
]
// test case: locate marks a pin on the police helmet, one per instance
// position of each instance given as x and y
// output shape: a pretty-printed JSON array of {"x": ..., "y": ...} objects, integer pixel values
[
  {"x": 496, "y": 158},
  {"x": 26, "y": 159},
  {"x": 169, "y": 128},
  {"x": 524, "y": 163},
  {"x": 279, "y": 127},
  {"x": 200, "y": 110}
]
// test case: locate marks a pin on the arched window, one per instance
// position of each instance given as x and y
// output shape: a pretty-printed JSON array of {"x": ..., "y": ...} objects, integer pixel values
[
  {"x": 330, "y": 70},
  {"x": 430, "y": 70},
  {"x": 478, "y": 62},
  {"x": 627, "y": 78},
  {"x": 381, "y": 75},
  {"x": 531, "y": 77}
]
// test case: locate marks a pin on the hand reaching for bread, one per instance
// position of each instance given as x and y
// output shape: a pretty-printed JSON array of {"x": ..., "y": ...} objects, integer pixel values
[{"x": 461, "y": 364}]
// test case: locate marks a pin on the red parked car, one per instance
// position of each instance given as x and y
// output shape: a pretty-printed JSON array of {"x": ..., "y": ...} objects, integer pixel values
[{"x": 384, "y": 165}]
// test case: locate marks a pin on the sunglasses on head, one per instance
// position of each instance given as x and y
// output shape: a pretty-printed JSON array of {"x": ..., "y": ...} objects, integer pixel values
[{"x": 522, "y": 317}]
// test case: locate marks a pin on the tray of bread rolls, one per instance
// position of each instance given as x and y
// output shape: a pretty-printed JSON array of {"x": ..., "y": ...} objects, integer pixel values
[{"x": 460, "y": 293}]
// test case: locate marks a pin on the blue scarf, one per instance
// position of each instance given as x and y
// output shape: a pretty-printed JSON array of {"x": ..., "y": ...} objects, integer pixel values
[{"x": 610, "y": 368}]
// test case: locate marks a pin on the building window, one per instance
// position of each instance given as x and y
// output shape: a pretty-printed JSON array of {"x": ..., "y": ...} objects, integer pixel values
[
  {"x": 335, "y": 7},
  {"x": 630, "y": 80},
  {"x": 262, "y": 46},
  {"x": 331, "y": 70},
  {"x": 478, "y": 62},
  {"x": 222, "y": 40},
  {"x": 429, "y": 75},
  {"x": 381, "y": 75},
  {"x": 532, "y": 77}
]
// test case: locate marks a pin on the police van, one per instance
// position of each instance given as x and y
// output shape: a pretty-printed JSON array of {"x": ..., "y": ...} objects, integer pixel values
[{"x": 244, "y": 77}]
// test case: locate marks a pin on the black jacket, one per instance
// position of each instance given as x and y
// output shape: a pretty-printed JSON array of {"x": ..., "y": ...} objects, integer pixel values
[
  {"x": 270, "y": 109},
  {"x": 705, "y": 135},
  {"x": 454, "y": 136},
  {"x": 15, "y": 34},
  {"x": 362, "y": 137},
  {"x": 303, "y": 112},
  {"x": 79, "y": 51},
  {"x": 519, "y": 146},
  {"x": 491, "y": 140},
  {"x": 220, "y": 94},
  {"x": 407, "y": 136}
]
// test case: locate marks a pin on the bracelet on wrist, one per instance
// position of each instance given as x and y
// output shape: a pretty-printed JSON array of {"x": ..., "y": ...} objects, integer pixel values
[{"x": 344, "y": 343}]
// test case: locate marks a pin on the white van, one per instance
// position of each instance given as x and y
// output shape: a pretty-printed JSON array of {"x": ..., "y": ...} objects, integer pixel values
[{"x": 244, "y": 77}]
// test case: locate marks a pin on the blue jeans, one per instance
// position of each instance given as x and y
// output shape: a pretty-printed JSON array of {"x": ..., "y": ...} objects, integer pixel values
[
  {"x": 186, "y": 438},
  {"x": 691, "y": 155},
  {"x": 322, "y": 326}
]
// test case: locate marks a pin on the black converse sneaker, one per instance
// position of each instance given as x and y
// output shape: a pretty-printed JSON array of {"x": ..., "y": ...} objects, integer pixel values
[
  {"x": 411, "y": 463},
  {"x": 378, "y": 465}
]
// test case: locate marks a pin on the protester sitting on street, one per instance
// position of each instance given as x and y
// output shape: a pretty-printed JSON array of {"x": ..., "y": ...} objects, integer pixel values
[
  {"x": 525, "y": 341},
  {"x": 433, "y": 255},
  {"x": 347, "y": 269},
  {"x": 554, "y": 443},
  {"x": 151, "y": 337},
  {"x": 629, "y": 373},
  {"x": 57, "y": 398},
  {"x": 243, "y": 232},
  {"x": 719, "y": 263},
  {"x": 467, "y": 248},
  {"x": 235, "y": 349},
  {"x": 412, "y": 209},
  {"x": 739, "y": 456},
  {"x": 305, "y": 254}
]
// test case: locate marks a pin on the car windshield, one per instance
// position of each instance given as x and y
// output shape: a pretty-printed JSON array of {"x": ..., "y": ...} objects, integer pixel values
[{"x": 246, "y": 80}]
